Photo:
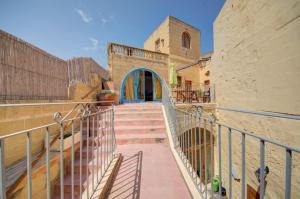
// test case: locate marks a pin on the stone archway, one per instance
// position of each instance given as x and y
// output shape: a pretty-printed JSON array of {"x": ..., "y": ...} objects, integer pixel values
[{"x": 140, "y": 85}]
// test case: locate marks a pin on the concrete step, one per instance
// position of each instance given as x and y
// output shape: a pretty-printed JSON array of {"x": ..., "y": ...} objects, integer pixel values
[
  {"x": 138, "y": 109},
  {"x": 140, "y": 129},
  {"x": 138, "y": 121},
  {"x": 92, "y": 153},
  {"x": 148, "y": 138},
  {"x": 144, "y": 104},
  {"x": 68, "y": 185},
  {"x": 148, "y": 115},
  {"x": 90, "y": 166}
]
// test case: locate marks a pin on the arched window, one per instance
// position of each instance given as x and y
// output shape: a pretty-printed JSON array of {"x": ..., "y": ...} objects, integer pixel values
[{"x": 186, "y": 40}]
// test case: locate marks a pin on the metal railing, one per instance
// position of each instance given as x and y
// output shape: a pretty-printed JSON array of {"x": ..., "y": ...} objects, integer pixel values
[
  {"x": 196, "y": 93},
  {"x": 194, "y": 133},
  {"x": 96, "y": 144}
]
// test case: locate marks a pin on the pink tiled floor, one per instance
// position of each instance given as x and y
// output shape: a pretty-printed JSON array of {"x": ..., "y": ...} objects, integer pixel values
[{"x": 148, "y": 171}]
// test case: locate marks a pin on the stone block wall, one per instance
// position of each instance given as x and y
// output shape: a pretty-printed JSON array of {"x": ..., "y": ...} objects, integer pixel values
[
  {"x": 176, "y": 28},
  {"x": 161, "y": 33},
  {"x": 170, "y": 30},
  {"x": 255, "y": 66},
  {"x": 121, "y": 64}
]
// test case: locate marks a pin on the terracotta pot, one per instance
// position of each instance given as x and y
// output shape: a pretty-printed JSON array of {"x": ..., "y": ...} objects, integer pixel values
[{"x": 106, "y": 97}]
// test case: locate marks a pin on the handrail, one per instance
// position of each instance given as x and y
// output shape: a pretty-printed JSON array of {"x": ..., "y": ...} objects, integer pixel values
[
  {"x": 43, "y": 152},
  {"x": 99, "y": 130},
  {"x": 183, "y": 126},
  {"x": 262, "y": 113},
  {"x": 54, "y": 103}
]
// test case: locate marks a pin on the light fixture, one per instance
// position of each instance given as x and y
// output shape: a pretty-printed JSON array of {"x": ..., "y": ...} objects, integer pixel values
[{"x": 204, "y": 61}]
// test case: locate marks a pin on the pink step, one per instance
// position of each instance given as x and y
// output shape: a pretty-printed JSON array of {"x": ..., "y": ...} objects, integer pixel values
[
  {"x": 90, "y": 166},
  {"x": 122, "y": 139},
  {"x": 91, "y": 153},
  {"x": 137, "y": 121},
  {"x": 77, "y": 184},
  {"x": 140, "y": 129},
  {"x": 148, "y": 115},
  {"x": 138, "y": 109}
]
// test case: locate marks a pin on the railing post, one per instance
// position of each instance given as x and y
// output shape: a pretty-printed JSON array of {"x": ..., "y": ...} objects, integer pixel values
[
  {"x": 72, "y": 160},
  {"x": 87, "y": 154},
  {"x": 211, "y": 156},
  {"x": 229, "y": 164},
  {"x": 205, "y": 159},
  {"x": 47, "y": 144},
  {"x": 93, "y": 151},
  {"x": 262, "y": 169},
  {"x": 61, "y": 161},
  {"x": 243, "y": 166},
  {"x": 29, "y": 166},
  {"x": 2, "y": 170},
  {"x": 220, "y": 159},
  {"x": 200, "y": 152},
  {"x": 113, "y": 125},
  {"x": 288, "y": 173}
]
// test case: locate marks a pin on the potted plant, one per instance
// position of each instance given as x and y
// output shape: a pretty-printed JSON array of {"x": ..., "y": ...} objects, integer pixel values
[{"x": 106, "y": 95}]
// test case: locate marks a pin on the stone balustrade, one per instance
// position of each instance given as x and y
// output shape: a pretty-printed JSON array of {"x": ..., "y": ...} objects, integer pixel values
[{"x": 136, "y": 52}]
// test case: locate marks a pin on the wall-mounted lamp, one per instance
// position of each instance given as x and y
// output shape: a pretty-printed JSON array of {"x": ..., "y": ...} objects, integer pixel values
[
  {"x": 204, "y": 61},
  {"x": 257, "y": 173}
]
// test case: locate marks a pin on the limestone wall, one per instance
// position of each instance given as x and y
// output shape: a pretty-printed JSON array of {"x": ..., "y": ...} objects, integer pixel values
[
  {"x": 122, "y": 63},
  {"x": 256, "y": 66},
  {"x": 170, "y": 30},
  {"x": 15, "y": 119},
  {"x": 161, "y": 33},
  {"x": 176, "y": 28},
  {"x": 205, "y": 71}
]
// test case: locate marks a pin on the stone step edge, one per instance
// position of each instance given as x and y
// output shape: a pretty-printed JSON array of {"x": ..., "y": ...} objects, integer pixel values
[
  {"x": 104, "y": 186},
  {"x": 141, "y": 136},
  {"x": 141, "y": 127},
  {"x": 133, "y": 113}
]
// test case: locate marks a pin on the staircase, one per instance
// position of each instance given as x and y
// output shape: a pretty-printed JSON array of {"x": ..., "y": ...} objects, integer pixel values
[
  {"x": 148, "y": 169},
  {"x": 139, "y": 123},
  {"x": 89, "y": 163}
]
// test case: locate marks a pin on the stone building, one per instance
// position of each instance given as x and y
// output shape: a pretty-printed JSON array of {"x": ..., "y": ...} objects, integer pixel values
[
  {"x": 136, "y": 73},
  {"x": 254, "y": 69},
  {"x": 255, "y": 66}
]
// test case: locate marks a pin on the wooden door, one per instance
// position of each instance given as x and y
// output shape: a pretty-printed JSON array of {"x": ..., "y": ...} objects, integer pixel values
[{"x": 188, "y": 89}]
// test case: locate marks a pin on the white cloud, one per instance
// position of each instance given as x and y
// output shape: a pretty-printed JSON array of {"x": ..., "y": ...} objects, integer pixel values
[
  {"x": 94, "y": 45},
  {"x": 84, "y": 16},
  {"x": 104, "y": 21}
]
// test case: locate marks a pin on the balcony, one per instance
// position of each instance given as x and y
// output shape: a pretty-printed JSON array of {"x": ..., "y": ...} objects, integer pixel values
[
  {"x": 195, "y": 93},
  {"x": 123, "y": 50}
]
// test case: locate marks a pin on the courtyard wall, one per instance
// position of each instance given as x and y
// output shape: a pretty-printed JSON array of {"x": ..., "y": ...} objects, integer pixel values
[{"x": 255, "y": 66}]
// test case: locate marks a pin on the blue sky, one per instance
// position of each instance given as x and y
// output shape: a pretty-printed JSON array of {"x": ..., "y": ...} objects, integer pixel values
[{"x": 70, "y": 28}]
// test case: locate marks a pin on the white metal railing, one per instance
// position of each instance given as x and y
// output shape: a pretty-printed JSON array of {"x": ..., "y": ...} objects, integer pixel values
[
  {"x": 95, "y": 127},
  {"x": 187, "y": 127}
]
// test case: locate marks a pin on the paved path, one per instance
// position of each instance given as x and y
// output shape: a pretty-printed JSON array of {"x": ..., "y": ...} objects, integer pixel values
[{"x": 148, "y": 169}]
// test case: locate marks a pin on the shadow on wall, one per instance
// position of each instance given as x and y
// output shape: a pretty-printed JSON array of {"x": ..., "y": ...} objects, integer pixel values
[{"x": 128, "y": 180}]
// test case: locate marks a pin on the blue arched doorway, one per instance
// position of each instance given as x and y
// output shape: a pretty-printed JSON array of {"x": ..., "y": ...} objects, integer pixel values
[{"x": 140, "y": 85}]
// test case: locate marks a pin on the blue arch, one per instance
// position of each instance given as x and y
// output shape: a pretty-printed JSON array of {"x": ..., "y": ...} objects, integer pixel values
[{"x": 126, "y": 77}]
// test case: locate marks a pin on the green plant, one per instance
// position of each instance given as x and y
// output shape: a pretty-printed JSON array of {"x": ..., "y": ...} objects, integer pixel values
[{"x": 201, "y": 93}]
